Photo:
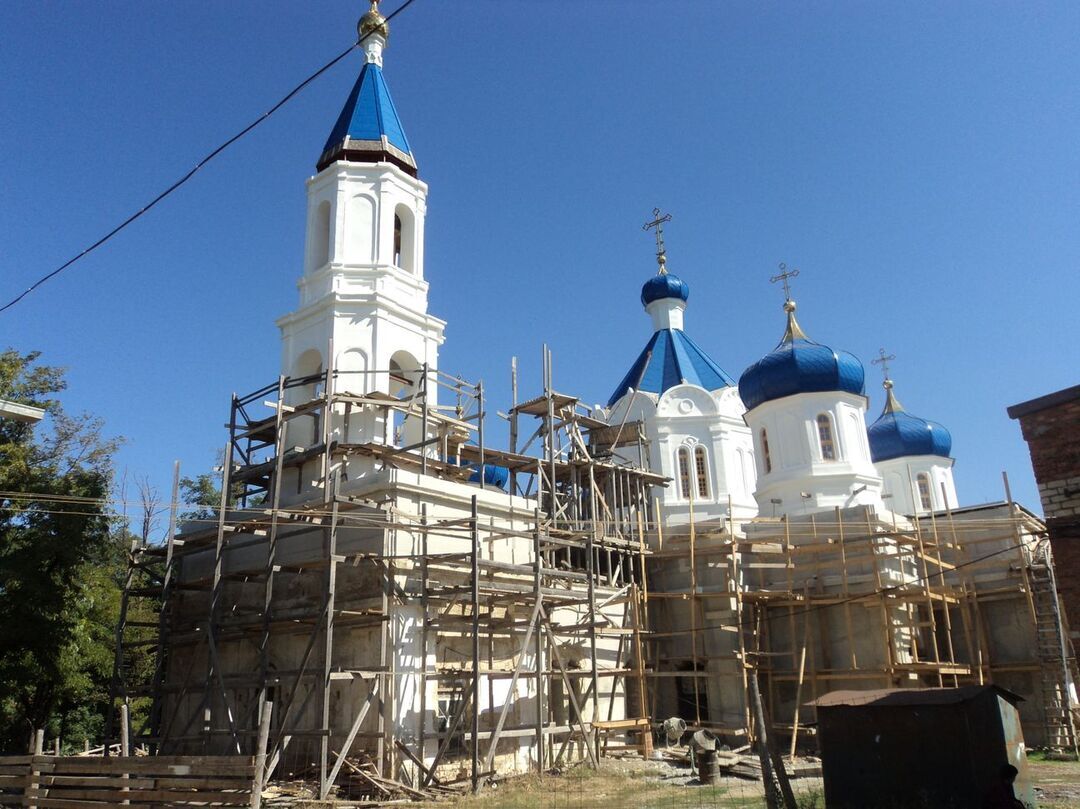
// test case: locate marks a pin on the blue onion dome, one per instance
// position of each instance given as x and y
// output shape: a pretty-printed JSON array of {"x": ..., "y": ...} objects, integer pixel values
[
  {"x": 799, "y": 365},
  {"x": 664, "y": 285},
  {"x": 898, "y": 434}
]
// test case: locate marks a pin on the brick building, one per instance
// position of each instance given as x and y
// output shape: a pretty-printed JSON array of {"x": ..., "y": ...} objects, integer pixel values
[{"x": 1051, "y": 427}]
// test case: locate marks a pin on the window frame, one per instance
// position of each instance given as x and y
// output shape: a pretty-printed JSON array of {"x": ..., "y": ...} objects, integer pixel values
[
  {"x": 682, "y": 469},
  {"x": 766, "y": 456},
  {"x": 397, "y": 239},
  {"x": 926, "y": 498},
  {"x": 701, "y": 471},
  {"x": 826, "y": 433}
]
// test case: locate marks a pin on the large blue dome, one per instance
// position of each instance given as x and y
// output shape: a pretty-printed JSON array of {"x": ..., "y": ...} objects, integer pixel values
[
  {"x": 898, "y": 434},
  {"x": 799, "y": 365},
  {"x": 664, "y": 285}
]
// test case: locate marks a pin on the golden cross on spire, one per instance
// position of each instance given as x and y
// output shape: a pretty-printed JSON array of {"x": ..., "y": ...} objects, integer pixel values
[
  {"x": 892, "y": 405},
  {"x": 883, "y": 361},
  {"x": 793, "y": 332},
  {"x": 657, "y": 224},
  {"x": 783, "y": 277}
]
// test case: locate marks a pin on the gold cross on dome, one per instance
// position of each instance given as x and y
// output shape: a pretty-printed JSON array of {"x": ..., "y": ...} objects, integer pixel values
[
  {"x": 783, "y": 277},
  {"x": 657, "y": 224},
  {"x": 883, "y": 361}
]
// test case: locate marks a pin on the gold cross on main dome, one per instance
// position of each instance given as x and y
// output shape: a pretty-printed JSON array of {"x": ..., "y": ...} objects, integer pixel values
[
  {"x": 657, "y": 224},
  {"x": 783, "y": 277},
  {"x": 883, "y": 361}
]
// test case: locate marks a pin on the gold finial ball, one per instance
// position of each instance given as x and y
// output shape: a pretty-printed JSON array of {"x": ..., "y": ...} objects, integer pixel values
[
  {"x": 373, "y": 22},
  {"x": 887, "y": 384},
  {"x": 789, "y": 306}
]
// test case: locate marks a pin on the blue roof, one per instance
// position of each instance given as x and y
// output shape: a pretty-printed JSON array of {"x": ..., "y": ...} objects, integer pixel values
[
  {"x": 799, "y": 365},
  {"x": 369, "y": 126},
  {"x": 664, "y": 285},
  {"x": 899, "y": 434},
  {"x": 671, "y": 358}
]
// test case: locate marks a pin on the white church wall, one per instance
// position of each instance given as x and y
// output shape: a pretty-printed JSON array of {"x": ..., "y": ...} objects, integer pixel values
[
  {"x": 794, "y": 474},
  {"x": 691, "y": 419},
  {"x": 356, "y": 296},
  {"x": 903, "y": 485}
]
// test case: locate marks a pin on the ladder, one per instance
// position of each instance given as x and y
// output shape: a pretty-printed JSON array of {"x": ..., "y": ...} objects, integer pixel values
[{"x": 1056, "y": 658}]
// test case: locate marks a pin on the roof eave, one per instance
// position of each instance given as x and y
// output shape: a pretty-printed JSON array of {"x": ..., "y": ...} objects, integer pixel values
[{"x": 368, "y": 151}]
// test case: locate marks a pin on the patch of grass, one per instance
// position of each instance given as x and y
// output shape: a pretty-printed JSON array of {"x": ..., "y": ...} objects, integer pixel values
[
  {"x": 1053, "y": 758},
  {"x": 811, "y": 800}
]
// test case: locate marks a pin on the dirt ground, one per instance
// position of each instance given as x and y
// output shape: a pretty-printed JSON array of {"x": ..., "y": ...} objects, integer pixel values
[
  {"x": 635, "y": 784},
  {"x": 630, "y": 783},
  {"x": 1057, "y": 783}
]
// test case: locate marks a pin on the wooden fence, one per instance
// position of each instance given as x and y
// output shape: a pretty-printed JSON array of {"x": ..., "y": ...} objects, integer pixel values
[{"x": 135, "y": 782}]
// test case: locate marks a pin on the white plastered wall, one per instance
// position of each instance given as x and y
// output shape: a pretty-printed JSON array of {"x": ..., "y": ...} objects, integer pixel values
[
  {"x": 688, "y": 416},
  {"x": 363, "y": 293},
  {"x": 800, "y": 478},
  {"x": 901, "y": 483}
]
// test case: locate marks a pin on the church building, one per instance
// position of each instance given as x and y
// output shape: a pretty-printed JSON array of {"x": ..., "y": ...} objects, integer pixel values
[
  {"x": 395, "y": 595},
  {"x": 820, "y": 551}
]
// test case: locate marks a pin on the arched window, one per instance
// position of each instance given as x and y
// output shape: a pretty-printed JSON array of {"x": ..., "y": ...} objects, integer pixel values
[
  {"x": 683, "y": 458},
  {"x": 397, "y": 240},
  {"x": 702, "y": 470},
  {"x": 825, "y": 437},
  {"x": 404, "y": 238},
  {"x": 922, "y": 481},
  {"x": 308, "y": 368},
  {"x": 765, "y": 456},
  {"x": 404, "y": 381}
]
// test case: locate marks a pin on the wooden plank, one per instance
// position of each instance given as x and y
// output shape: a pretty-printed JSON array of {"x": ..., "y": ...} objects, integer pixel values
[
  {"x": 155, "y": 795},
  {"x": 621, "y": 724},
  {"x": 60, "y": 803},
  {"x": 159, "y": 760},
  {"x": 419, "y": 764},
  {"x": 95, "y": 781},
  {"x": 242, "y": 783},
  {"x": 9, "y": 761},
  {"x": 359, "y": 719},
  {"x": 240, "y": 767},
  {"x": 143, "y": 782}
]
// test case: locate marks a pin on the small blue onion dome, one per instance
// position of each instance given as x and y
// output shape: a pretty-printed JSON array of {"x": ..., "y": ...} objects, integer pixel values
[
  {"x": 898, "y": 434},
  {"x": 493, "y": 475},
  {"x": 664, "y": 285},
  {"x": 799, "y": 365}
]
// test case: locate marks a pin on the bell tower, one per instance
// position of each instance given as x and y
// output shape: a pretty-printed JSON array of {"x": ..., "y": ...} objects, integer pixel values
[{"x": 362, "y": 292}]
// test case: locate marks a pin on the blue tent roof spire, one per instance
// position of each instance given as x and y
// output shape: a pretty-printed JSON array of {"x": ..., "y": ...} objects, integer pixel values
[{"x": 368, "y": 130}]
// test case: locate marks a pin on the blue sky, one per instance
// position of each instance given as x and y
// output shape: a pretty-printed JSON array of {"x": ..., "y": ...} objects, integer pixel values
[{"x": 918, "y": 162}]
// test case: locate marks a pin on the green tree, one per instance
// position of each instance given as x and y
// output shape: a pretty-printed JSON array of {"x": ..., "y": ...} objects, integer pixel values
[
  {"x": 203, "y": 493},
  {"x": 62, "y": 562}
]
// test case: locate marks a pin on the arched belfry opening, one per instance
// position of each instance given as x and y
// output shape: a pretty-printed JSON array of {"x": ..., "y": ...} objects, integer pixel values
[
  {"x": 404, "y": 239},
  {"x": 307, "y": 383},
  {"x": 405, "y": 380}
]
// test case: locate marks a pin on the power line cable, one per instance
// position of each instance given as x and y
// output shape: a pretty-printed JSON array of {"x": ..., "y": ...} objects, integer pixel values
[{"x": 288, "y": 97}]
